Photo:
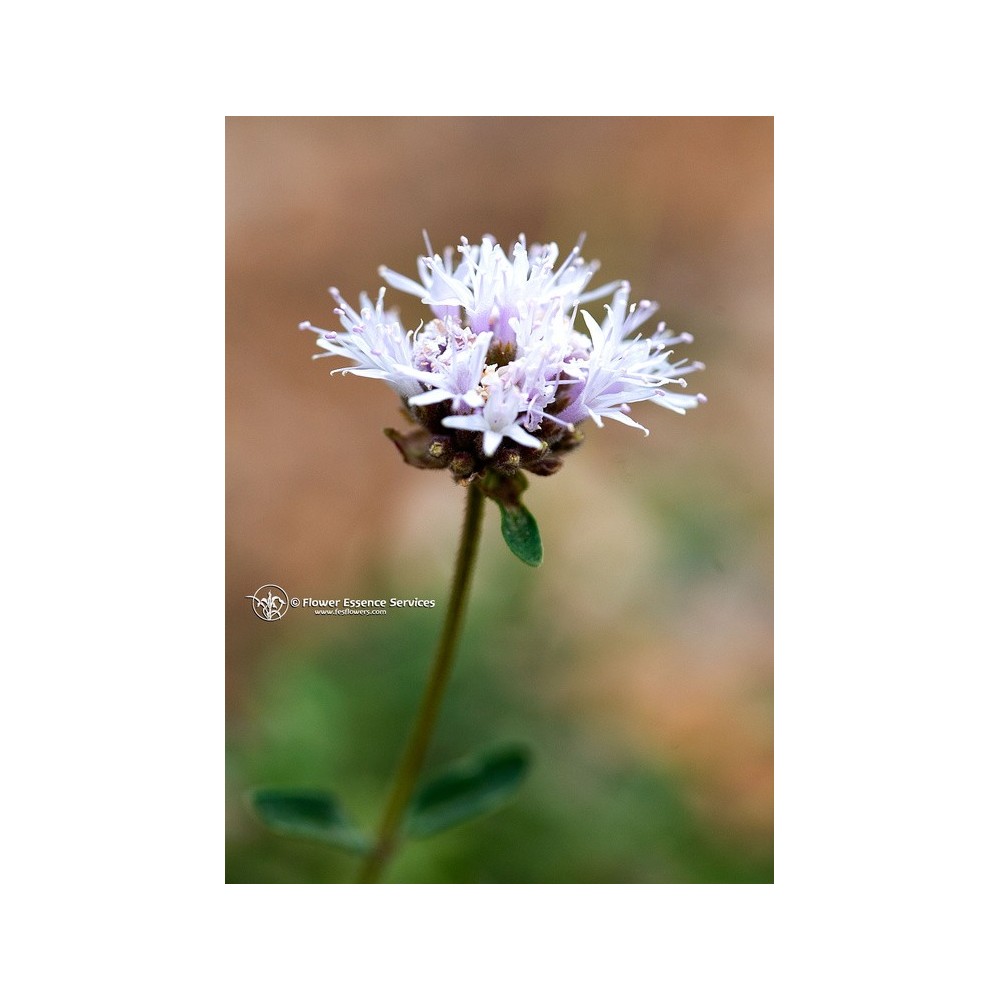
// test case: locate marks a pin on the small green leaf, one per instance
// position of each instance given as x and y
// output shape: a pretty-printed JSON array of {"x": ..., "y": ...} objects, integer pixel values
[
  {"x": 517, "y": 526},
  {"x": 468, "y": 789},
  {"x": 520, "y": 532},
  {"x": 310, "y": 814}
]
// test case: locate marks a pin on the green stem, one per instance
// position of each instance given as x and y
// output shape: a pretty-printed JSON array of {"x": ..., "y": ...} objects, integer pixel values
[{"x": 407, "y": 772}]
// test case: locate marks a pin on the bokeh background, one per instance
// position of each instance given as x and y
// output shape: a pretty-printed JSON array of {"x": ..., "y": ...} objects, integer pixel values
[{"x": 637, "y": 660}]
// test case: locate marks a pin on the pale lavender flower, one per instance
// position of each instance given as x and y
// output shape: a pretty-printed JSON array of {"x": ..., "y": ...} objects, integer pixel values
[
  {"x": 456, "y": 372},
  {"x": 374, "y": 339},
  {"x": 510, "y": 355},
  {"x": 621, "y": 369},
  {"x": 489, "y": 287},
  {"x": 497, "y": 419}
]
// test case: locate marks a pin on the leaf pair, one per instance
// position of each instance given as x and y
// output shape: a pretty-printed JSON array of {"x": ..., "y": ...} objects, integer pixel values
[{"x": 463, "y": 792}]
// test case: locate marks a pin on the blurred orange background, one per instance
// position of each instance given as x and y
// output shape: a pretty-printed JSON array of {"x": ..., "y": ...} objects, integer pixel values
[{"x": 651, "y": 634}]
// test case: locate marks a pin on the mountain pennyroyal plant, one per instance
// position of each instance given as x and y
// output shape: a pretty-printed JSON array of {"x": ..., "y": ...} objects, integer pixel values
[
  {"x": 497, "y": 381},
  {"x": 510, "y": 365}
]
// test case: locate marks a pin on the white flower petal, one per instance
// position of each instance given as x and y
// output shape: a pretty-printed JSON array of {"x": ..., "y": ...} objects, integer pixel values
[
  {"x": 469, "y": 422},
  {"x": 521, "y": 436},
  {"x": 401, "y": 282},
  {"x": 623, "y": 419},
  {"x": 491, "y": 441},
  {"x": 427, "y": 398}
]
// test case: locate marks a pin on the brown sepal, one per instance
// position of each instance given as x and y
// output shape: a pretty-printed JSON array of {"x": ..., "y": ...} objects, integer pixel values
[{"x": 420, "y": 448}]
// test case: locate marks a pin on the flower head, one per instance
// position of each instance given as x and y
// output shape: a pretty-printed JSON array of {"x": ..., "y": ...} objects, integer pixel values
[{"x": 509, "y": 356}]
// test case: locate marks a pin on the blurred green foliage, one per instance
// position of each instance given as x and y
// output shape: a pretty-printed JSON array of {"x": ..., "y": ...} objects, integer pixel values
[{"x": 335, "y": 715}]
